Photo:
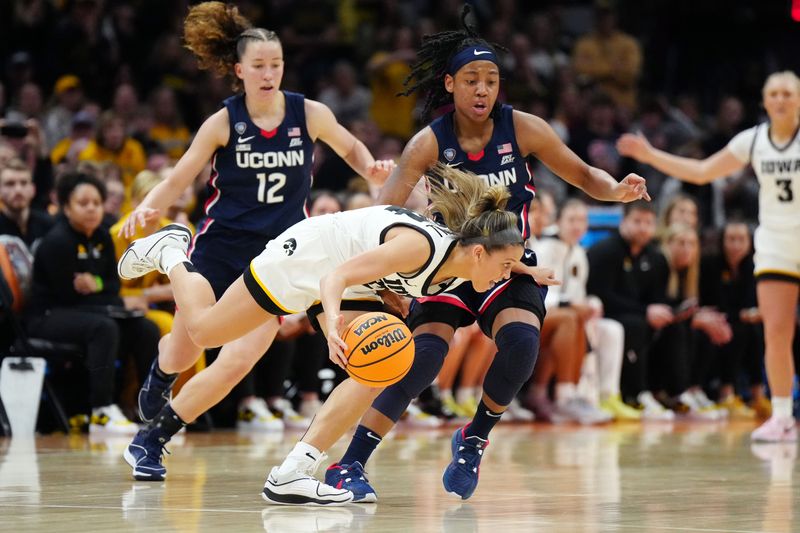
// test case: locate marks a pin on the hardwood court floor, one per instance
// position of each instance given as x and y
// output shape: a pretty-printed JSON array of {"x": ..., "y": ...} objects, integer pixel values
[{"x": 630, "y": 478}]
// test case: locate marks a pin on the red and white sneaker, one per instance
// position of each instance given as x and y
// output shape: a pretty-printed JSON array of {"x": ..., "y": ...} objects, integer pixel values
[{"x": 776, "y": 430}]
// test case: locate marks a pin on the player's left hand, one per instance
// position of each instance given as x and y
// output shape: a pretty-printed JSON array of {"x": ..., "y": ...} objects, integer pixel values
[
  {"x": 336, "y": 346},
  {"x": 632, "y": 188},
  {"x": 378, "y": 172}
]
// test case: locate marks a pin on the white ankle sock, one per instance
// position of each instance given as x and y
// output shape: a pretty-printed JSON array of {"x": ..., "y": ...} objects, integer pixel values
[
  {"x": 172, "y": 257},
  {"x": 782, "y": 406},
  {"x": 564, "y": 392},
  {"x": 302, "y": 456}
]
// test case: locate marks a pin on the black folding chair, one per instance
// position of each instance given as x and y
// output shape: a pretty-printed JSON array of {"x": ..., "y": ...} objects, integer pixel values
[{"x": 21, "y": 345}]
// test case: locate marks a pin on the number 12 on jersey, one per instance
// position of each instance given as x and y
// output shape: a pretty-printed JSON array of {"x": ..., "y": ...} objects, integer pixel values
[{"x": 270, "y": 195}]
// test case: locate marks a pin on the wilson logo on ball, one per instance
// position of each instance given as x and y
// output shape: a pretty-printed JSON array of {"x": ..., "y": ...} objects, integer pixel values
[
  {"x": 386, "y": 341},
  {"x": 380, "y": 349}
]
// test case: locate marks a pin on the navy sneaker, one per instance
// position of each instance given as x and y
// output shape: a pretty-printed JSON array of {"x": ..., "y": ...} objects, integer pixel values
[
  {"x": 144, "y": 455},
  {"x": 154, "y": 394},
  {"x": 461, "y": 475},
  {"x": 353, "y": 478}
]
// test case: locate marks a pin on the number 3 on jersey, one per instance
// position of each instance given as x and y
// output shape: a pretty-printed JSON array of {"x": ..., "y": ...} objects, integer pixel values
[
  {"x": 786, "y": 194},
  {"x": 270, "y": 196}
]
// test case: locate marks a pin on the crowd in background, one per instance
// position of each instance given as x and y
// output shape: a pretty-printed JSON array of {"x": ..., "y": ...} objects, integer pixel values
[{"x": 99, "y": 99}]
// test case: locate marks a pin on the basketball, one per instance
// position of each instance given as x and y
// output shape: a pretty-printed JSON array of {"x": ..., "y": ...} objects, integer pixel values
[{"x": 380, "y": 349}]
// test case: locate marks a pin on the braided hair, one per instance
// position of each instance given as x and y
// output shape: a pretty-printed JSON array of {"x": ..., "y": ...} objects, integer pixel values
[{"x": 433, "y": 57}]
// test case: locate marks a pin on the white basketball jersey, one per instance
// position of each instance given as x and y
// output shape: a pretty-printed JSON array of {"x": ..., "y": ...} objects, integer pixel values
[
  {"x": 778, "y": 172},
  {"x": 350, "y": 233}
]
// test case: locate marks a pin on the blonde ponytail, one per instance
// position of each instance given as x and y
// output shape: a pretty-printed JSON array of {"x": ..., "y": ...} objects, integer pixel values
[{"x": 472, "y": 210}]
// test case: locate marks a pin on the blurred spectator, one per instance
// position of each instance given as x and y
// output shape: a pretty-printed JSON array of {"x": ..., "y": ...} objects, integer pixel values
[
  {"x": 609, "y": 57},
  {"x": 680, "y": 209},
  {"x": 348, "y": 100},
  {"x": 591, "y": 139},
  {"x": 20, "y": 70},
  {"x": 59, "y": 119},
  {"x": 125, "y": 104},
  {"x": 112, "y": 144},
  {"x": 324, "y": 202},
  {"x": 606, "y": 337},
  {"x": 17, "y": 217},
  {"x": 80, "y": 46},
  {"x": 81, "y": 132},
  {"x": 523, "y": 80},
  {"x": 386, "y": 71},
  {"x": 358, "y": 200},
  {"x": 563, "y": 333},
  {"x": 27, "y": 141},
  {"x": 728, "y": 122},
  {"x": 76, "y": 293},
  {"x": 28, "y": 103},
  {"x": 542, "y": 216},
  {"x": 115, "y": 199},
  {"x": 168, "y": 129},
  {"x": 727, "y": 283},
  {"x": 629, "y": 275},
  {"x": 680, "y": 356}
]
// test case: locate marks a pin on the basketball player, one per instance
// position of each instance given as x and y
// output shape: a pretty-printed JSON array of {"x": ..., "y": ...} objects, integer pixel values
[
  {"x": 773, "y": 149},
  {"x": 332, "y": 259},
  {"x": 260, "y": 145},
  {"x": 493, "y": 141}
]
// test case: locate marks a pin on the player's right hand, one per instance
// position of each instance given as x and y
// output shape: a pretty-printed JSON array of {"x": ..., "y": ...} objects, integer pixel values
[
  {"x": 140, "y": 216},
  {"x": 336, "y": 346},
  {"x": 635, "y": 146}
]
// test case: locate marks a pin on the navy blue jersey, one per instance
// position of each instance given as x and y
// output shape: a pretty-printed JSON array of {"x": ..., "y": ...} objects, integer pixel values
[
  {"x": 500, "y": 161},
  {"x": 261, "y": 179}
]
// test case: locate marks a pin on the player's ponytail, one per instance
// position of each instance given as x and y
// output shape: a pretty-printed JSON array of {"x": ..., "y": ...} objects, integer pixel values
[
  {"x": 218, "y": 35},
  {"x": 472, "y": 210}
]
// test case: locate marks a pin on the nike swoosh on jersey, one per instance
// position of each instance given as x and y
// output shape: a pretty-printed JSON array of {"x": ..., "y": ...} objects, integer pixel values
[
  {"x": 245, "y": 139},
  {"x": 481, "y": 53}
]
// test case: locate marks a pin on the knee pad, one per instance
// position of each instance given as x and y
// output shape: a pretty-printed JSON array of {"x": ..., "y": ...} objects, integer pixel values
[
  {"x": 429, "y": 353},
  {"x": 517, "y": 350}
]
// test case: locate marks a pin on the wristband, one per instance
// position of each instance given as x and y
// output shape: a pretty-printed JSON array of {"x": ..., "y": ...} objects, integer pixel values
[{"x": 99, "y": 282}]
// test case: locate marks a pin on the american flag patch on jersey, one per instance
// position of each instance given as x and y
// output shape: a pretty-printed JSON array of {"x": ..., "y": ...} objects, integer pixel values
[
  {"x": 504, "y": 148},
  {"x": 294, "y": 132}
]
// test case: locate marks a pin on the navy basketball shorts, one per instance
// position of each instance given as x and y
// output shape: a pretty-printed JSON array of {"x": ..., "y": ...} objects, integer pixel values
[
  {"x": 463, "y": 305},
  {"x": 222, "y": 254}
]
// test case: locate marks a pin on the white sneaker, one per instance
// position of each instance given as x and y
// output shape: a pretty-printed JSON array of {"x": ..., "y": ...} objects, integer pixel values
[
  {"x": 419, "y": 419},
  {"x": 309, "y": 408},
  {"x": 254, "y": 415},
  {"x": 516, "y": 413},
  {"x": 652, "y": 410},
  {"x": 581, "y": 411},
  {"x": 111, "y": 420},
  {"x": 705, "y": 403},
  {"x": 300, "y": 487},
  {"x": 696, "y": 411},
  {"x": 283, "y": 409},
  {"x": 143, "y": 255},
  {"x": 776, "y": 430}
]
